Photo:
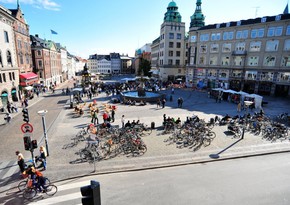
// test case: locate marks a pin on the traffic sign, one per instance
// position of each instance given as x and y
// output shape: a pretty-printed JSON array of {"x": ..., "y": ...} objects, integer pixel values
[{"x": 26, "y": 127}]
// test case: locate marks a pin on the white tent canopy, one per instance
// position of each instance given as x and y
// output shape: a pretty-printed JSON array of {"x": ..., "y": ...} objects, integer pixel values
[{"x": 258, "y": 100}]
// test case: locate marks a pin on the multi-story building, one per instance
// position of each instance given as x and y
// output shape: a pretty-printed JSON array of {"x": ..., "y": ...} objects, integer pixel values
[
  {"x": 172, "y": 45},
  {"x": 115, "y": 63},
  {"x": 47, "y": 61},
  {"x": 251, "y": 55},
  {"x": 9, "y": 71},
  {"x": 126, "y": 64},
  {"x": 63, "y": 57}
]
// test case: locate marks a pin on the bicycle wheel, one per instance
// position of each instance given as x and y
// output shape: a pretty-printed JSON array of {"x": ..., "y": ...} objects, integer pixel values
[
  {"x": 147, "y": 131},
  {"x": 211, "y": 134},
  {"x": 51, "y": 190},
  {"x": 29, "y": 193},
  {"x": 22, "y": 185}
]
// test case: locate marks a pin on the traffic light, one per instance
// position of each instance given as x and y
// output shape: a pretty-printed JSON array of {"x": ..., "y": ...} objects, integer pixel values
[
  {"x": 25, "y": 115},
  {"x": 34, "y": 144},
  {"x": 91, "y": 194},
  {"x": 27, "y": 142}
]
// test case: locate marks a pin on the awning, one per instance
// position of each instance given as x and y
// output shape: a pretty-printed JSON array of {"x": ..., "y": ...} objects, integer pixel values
[
  {"x": 4, "y": 95},
  {"x": 28, "y": 76}
]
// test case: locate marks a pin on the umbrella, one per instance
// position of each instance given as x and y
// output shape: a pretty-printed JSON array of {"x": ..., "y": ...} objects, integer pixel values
[{"x": 77, "y": 89}]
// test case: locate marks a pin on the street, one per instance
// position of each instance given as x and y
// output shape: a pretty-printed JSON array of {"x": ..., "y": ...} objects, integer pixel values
[{"x": 248, "y": 181}]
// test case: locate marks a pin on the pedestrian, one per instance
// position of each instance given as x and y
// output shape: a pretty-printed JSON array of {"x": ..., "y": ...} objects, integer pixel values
[
  {"x": 105, "y": 117},
  {"x": 41, "y": 158},
  {"x": 163, "y": 102},
  {"x": 20, "y": 161},
  {"x": 95, "y": 116},
  {"x": 181, "y": 102},
  {"x": 239, "y": 107},
  {"x": 158, "y": 103},
  {"x": 178, "y": 102},
  {"x": 170, "y": 98},
  {"x": 9, "y": 107},
  {"x": 113, "y": 115},
  {"x": 123, "y": 121}
]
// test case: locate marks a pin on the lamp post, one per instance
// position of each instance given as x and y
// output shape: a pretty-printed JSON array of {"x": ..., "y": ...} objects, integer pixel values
[
  {"x": 42, "y": 113},
  {"x": 247, "y": 104}
]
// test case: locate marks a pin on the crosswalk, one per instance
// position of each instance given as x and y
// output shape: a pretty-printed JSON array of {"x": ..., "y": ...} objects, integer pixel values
[{"x": 66, "y": 194}]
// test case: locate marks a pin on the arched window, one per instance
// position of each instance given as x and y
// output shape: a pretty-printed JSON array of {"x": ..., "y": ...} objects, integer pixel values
[{"x": 9, "y": 58}]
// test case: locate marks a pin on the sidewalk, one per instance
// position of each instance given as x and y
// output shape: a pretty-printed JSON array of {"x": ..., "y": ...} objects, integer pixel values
[{"x": 159, "y": 154}]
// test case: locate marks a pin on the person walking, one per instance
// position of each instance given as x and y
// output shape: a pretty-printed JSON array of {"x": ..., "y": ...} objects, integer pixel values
[
  {"x": 95, "y": 116},
  {"x": 20, "y": 161},
  {"x": 123, "y": 121},
  {"x": 41, "y": 158},
  {"x": 113, "y": 115},
  {"x": 181, "y": 102},
  {"x": 163, "y": 102},
  {"x": 178, "y": 102},
  {"x": 158, "y": 103}
]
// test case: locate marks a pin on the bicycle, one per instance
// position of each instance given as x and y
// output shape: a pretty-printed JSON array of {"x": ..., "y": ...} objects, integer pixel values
[
  {"x": 31, "y": 190},
  {"x": 25, "y": 183}
]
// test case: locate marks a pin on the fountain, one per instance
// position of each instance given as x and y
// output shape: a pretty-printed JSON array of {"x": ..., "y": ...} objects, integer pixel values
[{"x": 141, "y": 94}]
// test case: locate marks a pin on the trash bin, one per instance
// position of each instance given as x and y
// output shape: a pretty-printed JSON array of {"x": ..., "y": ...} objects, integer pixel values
[{"x": 152, "y": 125}]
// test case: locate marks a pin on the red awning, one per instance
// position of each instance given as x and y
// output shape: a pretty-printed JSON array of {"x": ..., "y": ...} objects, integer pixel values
[{"x": 28, "y": 76}]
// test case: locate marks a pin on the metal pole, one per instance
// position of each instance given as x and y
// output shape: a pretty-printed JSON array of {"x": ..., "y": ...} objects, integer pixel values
[{"x": 45, "y": 134}]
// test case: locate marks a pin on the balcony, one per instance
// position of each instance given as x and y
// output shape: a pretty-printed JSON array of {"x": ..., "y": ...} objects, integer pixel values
[{"x": 239, "y": 53}]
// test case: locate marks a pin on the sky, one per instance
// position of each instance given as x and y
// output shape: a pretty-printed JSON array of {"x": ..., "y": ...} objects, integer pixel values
[{"x": 103, "y": 26}]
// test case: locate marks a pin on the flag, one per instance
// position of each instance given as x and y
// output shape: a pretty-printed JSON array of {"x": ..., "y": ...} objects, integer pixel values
[
  {"x": 53, "y": 32},
  {"x": 286, "y": 10}
]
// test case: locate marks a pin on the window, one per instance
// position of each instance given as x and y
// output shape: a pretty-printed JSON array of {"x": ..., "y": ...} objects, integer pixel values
[
  {"x": 257, "y": 33},
  {"x": 238, "y": 61},
  {"x": 10, "y": 76},
  {"x": 214, "y": 48},
  {"x": 231, "y": 35},
  {"x": 203, "y": 49},
  {"x": 226, "y": 60},
  {"x": 21, "y": 58},
  {"x": 245, "y": 34},
  {"x": 285, "y": 61},
  {"x": 178, "y": 36},
  {"x": 171, "y": 35},
  {"x": 269, "y": 60},
  {"x": 255, "y": 46},
  {"x": 1, "y": 79},
  {"x": 266, "y": 76},
  {"x": 285, "y": 77},
  {"x": 39, "y": 52},
  {"x": 288, "y": 30},
  {"x": 169, "y": 61},
  {"x": 178, "y": 45},
  {"x": 201, "y": 60},
  {"x": 226, "y": 47},
  {"x": 4, "y": 77},
  {"x": 213, "y": 60},
  {"x": 261, "y": 33},
  {"x": 253, "y": 60},
  {"x": 251, "y": 75},
  {"x": 9, "y": 58},
  {"x": 193, "y": 39},
  {"x": 171, "y": 44},
  {"x": 6, "y": 38},
  {"x": 272, "y": 45},
  {"x": 27, "y": 59},
  {"x": 240, "y": 46},
  {"x": 19, "y": 44},
  {"x": 215, "y": 36},
  {"x": 239, "y": 34},
  {"x": 1, "y": 63},
  {"x": 40, "y": 63},
  {"x": 177, "y": 53},
  {"x": 204, "y": 37},
  {"x": 275, "y": 31},
  {"x": 177, "y": 62}
]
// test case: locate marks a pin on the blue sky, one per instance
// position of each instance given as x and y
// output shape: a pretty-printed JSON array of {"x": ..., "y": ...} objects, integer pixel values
[{"x": 103, "y": 26}]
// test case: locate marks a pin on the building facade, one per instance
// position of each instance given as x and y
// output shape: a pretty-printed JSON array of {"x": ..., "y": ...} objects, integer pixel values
[
  {"x": 171, "y": 45},
  {"x": 250, "y": 55},
  {"x": 9, "y": 71}
]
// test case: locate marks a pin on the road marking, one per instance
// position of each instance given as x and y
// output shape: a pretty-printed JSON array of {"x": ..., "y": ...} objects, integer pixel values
[
  {"x": 10, "y": 171},
  {"x": 59, "y": 199}
]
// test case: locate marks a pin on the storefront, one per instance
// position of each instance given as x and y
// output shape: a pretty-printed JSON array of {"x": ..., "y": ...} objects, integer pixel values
[{"x": 28, "y": 79}]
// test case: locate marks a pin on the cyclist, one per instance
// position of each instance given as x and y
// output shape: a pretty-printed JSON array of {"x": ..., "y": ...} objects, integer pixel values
[{"x": 37, "y": 178}]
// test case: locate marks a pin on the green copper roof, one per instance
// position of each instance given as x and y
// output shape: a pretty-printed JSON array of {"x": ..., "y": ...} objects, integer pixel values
[
  {"x": 197, "y": 19},
  {"x": 172, "y": 14}
]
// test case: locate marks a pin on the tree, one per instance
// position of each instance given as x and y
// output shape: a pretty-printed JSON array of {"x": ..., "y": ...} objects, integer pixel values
[{"x": 144, "y": 66}]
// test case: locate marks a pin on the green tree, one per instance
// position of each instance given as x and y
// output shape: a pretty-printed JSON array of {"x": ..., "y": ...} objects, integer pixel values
[{"x": 144, "y": 66}]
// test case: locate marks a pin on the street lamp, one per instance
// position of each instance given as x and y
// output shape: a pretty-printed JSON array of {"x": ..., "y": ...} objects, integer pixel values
[
  {"x": 247, "y": 104},
  {"x": 42, "y": 113}
]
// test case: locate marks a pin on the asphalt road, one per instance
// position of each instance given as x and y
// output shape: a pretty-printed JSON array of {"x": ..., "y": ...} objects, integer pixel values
[{"x": 246, "y": 181}]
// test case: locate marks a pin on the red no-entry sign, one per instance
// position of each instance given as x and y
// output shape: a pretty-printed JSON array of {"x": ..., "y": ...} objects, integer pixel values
[{"x": 26, "y": 127}]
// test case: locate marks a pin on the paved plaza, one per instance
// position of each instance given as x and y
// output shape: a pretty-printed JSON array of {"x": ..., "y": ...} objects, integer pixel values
[{"x": 63, "y": 163}]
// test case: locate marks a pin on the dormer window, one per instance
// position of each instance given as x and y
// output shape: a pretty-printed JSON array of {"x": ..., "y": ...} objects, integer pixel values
[
  {"x": 263, "y": 20},
  {"x": 278, "y": 18},
  {"x": 239, "y": 23},
  {"x": 228, "y": 24},
  {"x": 218, "y": 26}
]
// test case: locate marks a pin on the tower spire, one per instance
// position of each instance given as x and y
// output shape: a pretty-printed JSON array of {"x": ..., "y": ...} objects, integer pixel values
[
  {"x": 18, "y": 4},
  {"x": 197, "y": 19}
]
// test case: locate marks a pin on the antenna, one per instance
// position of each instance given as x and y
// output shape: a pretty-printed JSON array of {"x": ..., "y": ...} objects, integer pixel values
[{"x": 256, "y": 10}]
